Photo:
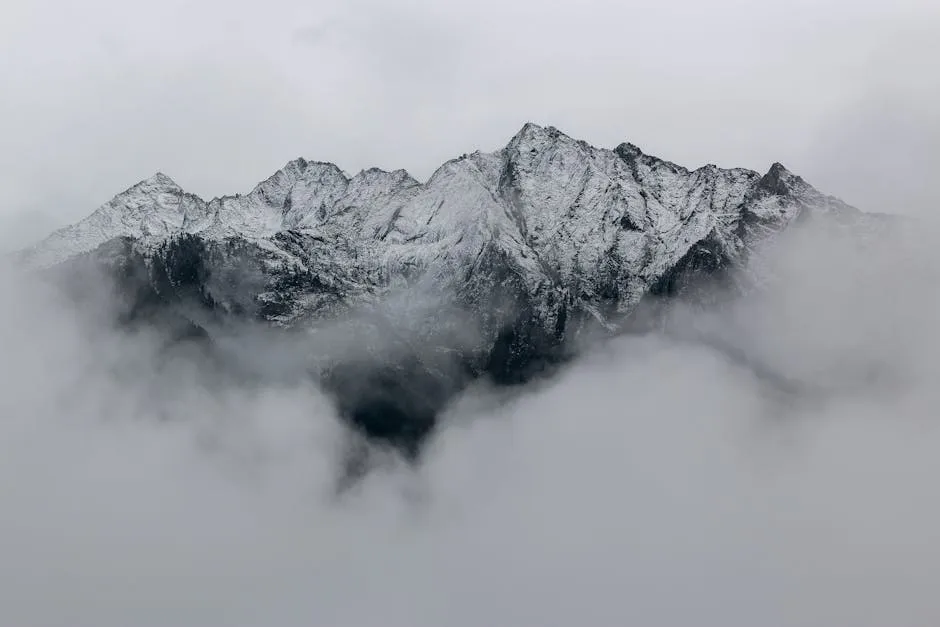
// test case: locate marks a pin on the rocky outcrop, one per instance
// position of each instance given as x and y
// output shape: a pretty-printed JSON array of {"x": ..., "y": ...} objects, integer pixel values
[{"x": 499, "y": 265}]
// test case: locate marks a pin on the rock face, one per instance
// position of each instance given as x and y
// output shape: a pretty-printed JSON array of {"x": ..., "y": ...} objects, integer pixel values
[{"x": 497, "y": 266}]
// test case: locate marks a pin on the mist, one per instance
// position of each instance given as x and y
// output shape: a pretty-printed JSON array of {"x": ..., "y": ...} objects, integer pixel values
[{"x": 658, "y": 480}]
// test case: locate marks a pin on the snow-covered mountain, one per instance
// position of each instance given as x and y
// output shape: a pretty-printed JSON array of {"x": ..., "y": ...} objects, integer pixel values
[{"x": 494, "y": 266}]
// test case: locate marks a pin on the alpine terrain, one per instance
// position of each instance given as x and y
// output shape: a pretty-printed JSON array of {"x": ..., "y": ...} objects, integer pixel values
[{"x": 394, "y": 294}]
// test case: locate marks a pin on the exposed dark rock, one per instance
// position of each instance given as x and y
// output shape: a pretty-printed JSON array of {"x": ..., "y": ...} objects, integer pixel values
[{"x": 496, "y": 267}]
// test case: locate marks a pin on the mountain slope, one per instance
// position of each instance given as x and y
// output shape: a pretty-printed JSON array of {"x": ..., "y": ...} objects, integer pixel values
[{"x": 496, "y": 266}]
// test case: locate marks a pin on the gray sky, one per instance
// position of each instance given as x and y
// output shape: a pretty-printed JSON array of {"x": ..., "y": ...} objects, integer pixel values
[
  {"x": 653, "y": 483},
  {"x": 100, "y": 94}
]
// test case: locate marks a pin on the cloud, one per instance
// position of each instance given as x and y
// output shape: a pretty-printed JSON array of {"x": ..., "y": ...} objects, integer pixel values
[
  {"x": 314, "y": 34},
  {"x": 882, "y": 143},
  {"x": 657, "y": 481}
]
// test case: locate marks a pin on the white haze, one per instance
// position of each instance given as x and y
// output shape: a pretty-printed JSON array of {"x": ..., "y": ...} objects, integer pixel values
[
  {"x": 654, "y": 483},
  {"x": 219, "y": 94}
]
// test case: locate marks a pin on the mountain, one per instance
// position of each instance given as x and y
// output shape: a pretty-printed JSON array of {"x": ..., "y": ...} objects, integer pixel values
[{"x": 498, "y": 266}]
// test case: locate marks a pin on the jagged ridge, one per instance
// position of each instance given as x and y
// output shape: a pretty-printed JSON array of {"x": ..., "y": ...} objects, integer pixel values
[{"x": 491, "y": 267}]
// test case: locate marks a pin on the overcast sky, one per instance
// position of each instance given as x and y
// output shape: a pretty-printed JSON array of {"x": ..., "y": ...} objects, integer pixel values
[
  {"x": 100, "y": 94},
  {"x": 653, "y": 483}
]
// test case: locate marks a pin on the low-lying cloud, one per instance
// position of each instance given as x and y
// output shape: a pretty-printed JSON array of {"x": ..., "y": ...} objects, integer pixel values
[{"x": 658, "y": 481}]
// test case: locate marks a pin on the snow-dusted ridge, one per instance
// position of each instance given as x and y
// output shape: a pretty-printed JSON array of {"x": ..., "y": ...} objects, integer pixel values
[
  {"x": 598, "y": 228},
  {"x": 565, "y": 187},
  {"x": 490, "y": 267}
]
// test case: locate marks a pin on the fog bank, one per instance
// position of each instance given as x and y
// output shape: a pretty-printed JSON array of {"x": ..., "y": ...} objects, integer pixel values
[{"x": 657, "y": 481}]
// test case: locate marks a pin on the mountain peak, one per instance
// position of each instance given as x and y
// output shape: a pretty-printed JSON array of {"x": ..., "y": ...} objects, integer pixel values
[
  {"x": 378, "y": 174},
  {"x": 628, "y": 151},
  {"x": 299, "y": 164},
  {"x": 778, "y": 179},
  {"x": 534, "y": 138},
  {"x": 307, "y": 167},
  {"x": 514, "y": 257},
  {"x": 779, "y": 170},
  {"x": 158, "y": 183},
  {"x": 529, "y": 128},
  {"x": 158, "y": 179},
  {"x": 532, "y": 130},
  {"x": 561, "y": 181}
]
